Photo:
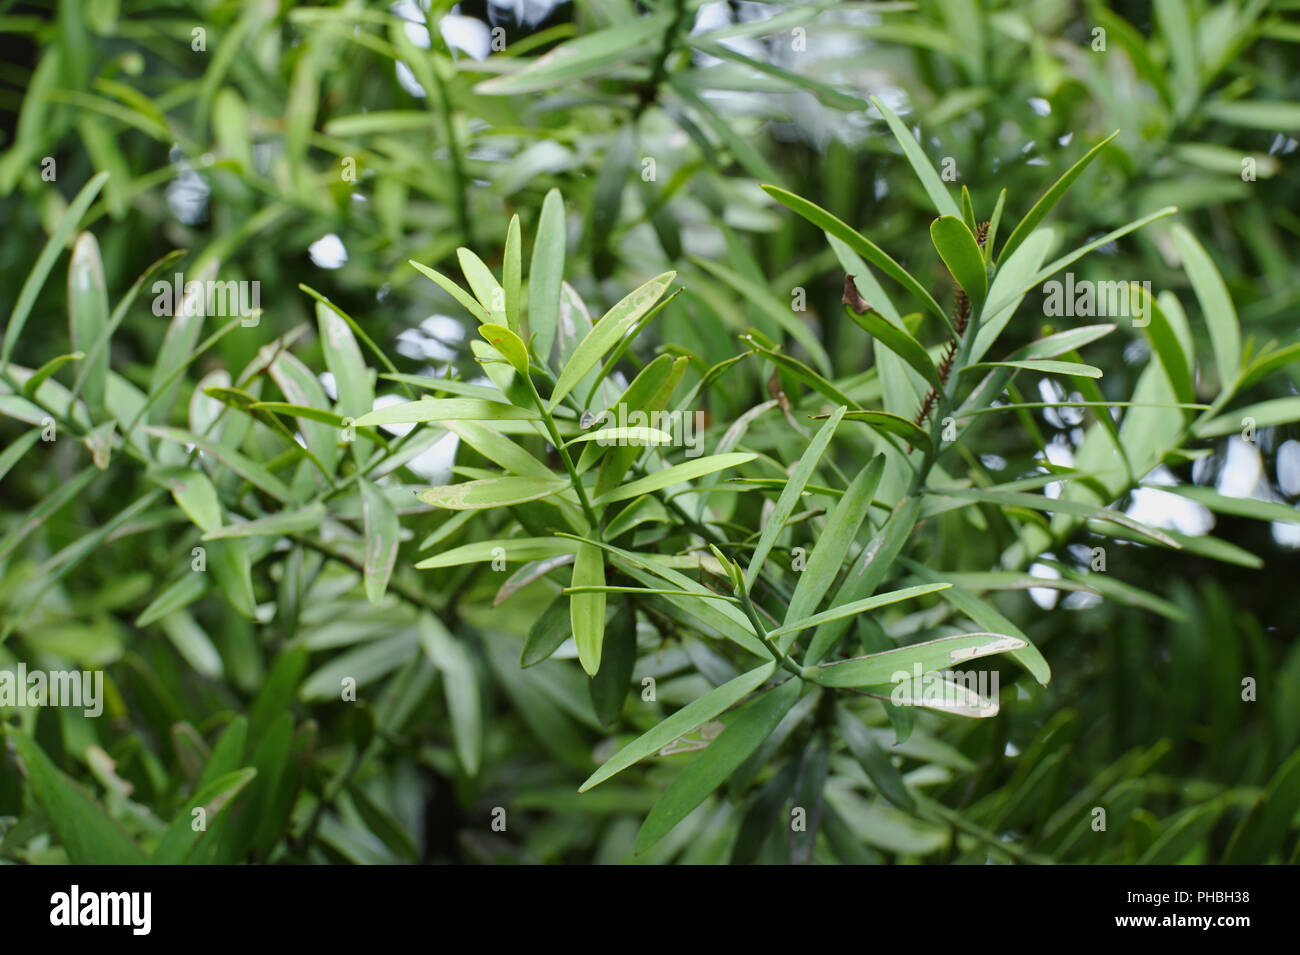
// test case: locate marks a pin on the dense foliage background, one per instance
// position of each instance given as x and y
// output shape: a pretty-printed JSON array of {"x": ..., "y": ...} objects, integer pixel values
[{"x": 328, "y": 146}]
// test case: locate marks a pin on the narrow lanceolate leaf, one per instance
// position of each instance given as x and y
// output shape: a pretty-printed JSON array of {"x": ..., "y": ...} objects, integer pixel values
[
  {"x": 790, "y": 494},
  {"x": 214, "y": 799},
  {"x": 454, "y": 290},
  {"x": 587, "y": 610},
  {"x": 486, "y": 288},
  {"x": 545, "y": 274},
  {"x": 195, "y": 494},
  {"x": 874, "y": 760},
  {"x": 1046, "y": 366},
  {"x": 607, "y": 332},
  {"x": 88, "y": 835},
  {"x": 510, "y": 345},
  {"x": 446, "y": 409},
  {"x": 88, "y": 314},
  {"x": 961, "y": 253},
  {"x": 352, "y": 382},
  {"x": 491, "y": 492},
  {"x": 497, "y": 447},
  {"x": 934, "y": 187},
  {"x": 941, "y": 654},
  {"x": 381, "y": 539},
  {"x": 1261, "y": 415},
  {"x": 753, "y": 723},
  {"x": 296, "y": 521},
  {"x": 460, "y": 685},
  {"x": 188, "y": 312},
  {"x": 677, "y": 474},
  {"x": 511, "y": 550},
  {"x": 49, "y": 505},
  {"x": 1049, "y": 200},
  {"x": 249, "y": 470},
  {"x": 512, "y": 270},
  {"x": 41, "y": 270},
  {"x": 856, "y": 607},
  {"x": 894, "y": 337},
  {"x": 33, "y": 384},
  {"x": 893, "y": 424},
  {"x": 1220, "y": 316},
  {"x": 682, "y": 722},
  {"x": 991, "y": 620},
  {"x": 1039, "y": 502},
  {"x": 1238, "y": 506},
  {"x": 834, "y": 541},
  {"x": 857, "y": 242}
]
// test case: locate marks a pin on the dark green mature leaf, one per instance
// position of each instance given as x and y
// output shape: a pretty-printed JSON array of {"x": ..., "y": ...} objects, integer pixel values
[{"x": 753, "y": 723}]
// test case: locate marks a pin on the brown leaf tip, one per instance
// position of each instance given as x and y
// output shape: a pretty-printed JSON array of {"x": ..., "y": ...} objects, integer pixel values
[{"x": 851, "y": 297}]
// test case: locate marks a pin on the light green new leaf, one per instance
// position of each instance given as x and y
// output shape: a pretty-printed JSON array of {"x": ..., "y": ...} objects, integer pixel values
[
  {"x": 1238, "y": 506},
  {"x": 856, "y": 607},
  {"x": 352, "y": 383},
  {"x": 1261, "y": 415},
  {"x": 510, "y": 549},
  {"x": 454, "y": 290},
  {"x": 677, "y": 474},
  {"x": 945, "y": 653},
  {"x": 380, "y": 519},
  {"x": 491, "y": 492},
  {"x": 790, "y": 495},
  {"x": 1220, "y": 316},
  {"x": 512, "y": 271},
  {"x": 607, "y": 332},
  {"x": 753, "y": 723},
  {"x": 587, "y": 610},
  {"x": 934, "y": 187},
  {"x": 483, "y": 283},
  {"x": 446, "y": 409}
]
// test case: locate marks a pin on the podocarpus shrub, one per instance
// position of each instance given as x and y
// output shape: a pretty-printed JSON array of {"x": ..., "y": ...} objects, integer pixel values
[{"x": 780, "y": 616}]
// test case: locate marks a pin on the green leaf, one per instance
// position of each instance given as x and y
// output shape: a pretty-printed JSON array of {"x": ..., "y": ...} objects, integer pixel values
[
  {"x": 33, "y": 384},
  {"x": 88, "y": 314},
  {"x": 898, "y": 340},
  {"x": 1046, "y": 366},
  {"x": 874, "y": 760},
  {"x": 41, "y": 270},
  {"x": 252, "y": 472},
  {"x": 834, "y": 541},
  {"x": 510, "y": 345},
  {"x": 299, "y": 520},
  {"x": 486, "y": 288},
  {"x": 382, "y": 538},
  {"x": 545, "y": 274},
  {"x": 51, "y": 504},
  {"x": 681, "y": 722},
  {"x": 934, "y": 187},
  {"x": 1238, "y": 506},
  {"x": 512, "y": 278},
  {"x": 1049, "y": 200},
  {"x": 856, "y": 607},
  {"x": 961, "y": 253},
  {"x": 454, "y": 290},
  {"x": 352, "y": 381},
  {"x": 790, "y": 495},
  {"x": 512, "y": 549},
  {"x": 588, "y": 54},
  {"x": 858, "y": 243},
  {"x": 195, "y": 495},
  {"x": 609, "y": 687},
  {"x": 491, "y": 492},
  {"x": 447, "y": 409},
  {"x": 460, "y": 684},
  {"x": 1264, "y": 414},
  {"x": 892, "y": 424},
  {"x": 587, "y": 611},
  {"x": 607, "y": 332},
  {"x": 945, "y": 653},
  {"x": 753, "y": 723},
  {"x": 88, "y": 835},
  {"x": 214, "y": 799},
  {"x": 676, "y": 474},
  {"x": 1220, "y": 316}
]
